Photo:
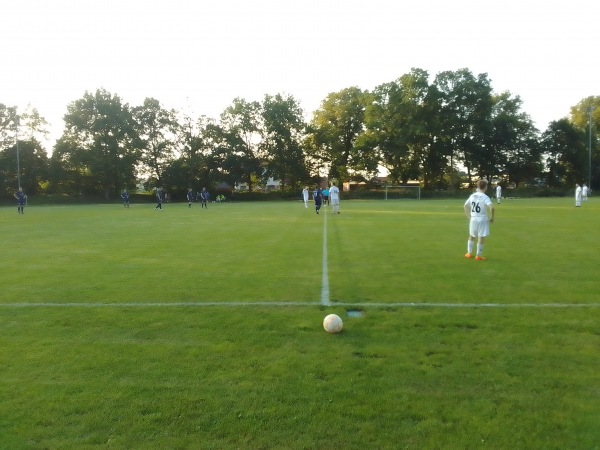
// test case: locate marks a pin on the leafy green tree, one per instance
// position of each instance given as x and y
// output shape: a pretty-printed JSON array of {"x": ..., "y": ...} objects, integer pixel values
[
  {"x": 198, "y": 164},
  {"x": 396, "y": 126},
  {"x": 32, "y": 159},
  {"x": 238, "y": 138},
  {"x": 69, "y": 170},
  {"x": 8, "y": 126},
  {"x": 464, "y": 106},
  {"x": 586, "y": 116},
  {"x": 565, "y": 153},
  {"x": 28, "y": 124},
  {"x": 580, "y": 113},
  {"x": 158, "y": 131},
  {"x": 196, "y": 139},
  {"x": 33, "y": 165},
  {"x": 313, "y": 152},
  {"x": 98, "y": 150},
  {"x": 281, "y": 146},
  {"x": 33, "y": 125},
  {"x": 512, "y": 143},
  {"x": 337, "y": 124}
]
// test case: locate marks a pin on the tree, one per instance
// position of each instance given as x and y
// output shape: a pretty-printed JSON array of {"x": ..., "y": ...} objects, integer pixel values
[
  {"x": 18, "y": 136},
  {"x": 8, "y": 126},
  {"x": 33, "y": 165},
  {"x": 32, "y": 125},
  {"x": 396, "y": 126},
  {"x": 464, "y": 105},
  {"x": 581, "y": 111},
  {"x": 196, "y": 148},
  {"x": 512, "y": 143},
  {"x": 238, "y": 140},
  {"x": 586, "y": 116},
  {"x": 337, "y": 124},
  {"x": 158, "y": 131},
  {"x": 198, "y": 164},
  {"x": 565, "y": 153},
  {"x": 281, "y": 145},
  {"x": 313, "y": 152},
  {"x": 98, "y": 150}
]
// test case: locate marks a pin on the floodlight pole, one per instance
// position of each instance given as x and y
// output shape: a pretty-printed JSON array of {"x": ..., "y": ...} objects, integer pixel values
[
  {"x": 589, "y": 111},
  {"x": 17, "y": 145}
]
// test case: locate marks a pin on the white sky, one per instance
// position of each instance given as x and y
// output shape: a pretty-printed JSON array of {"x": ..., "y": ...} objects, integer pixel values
[{"x": 198, "y": 55}]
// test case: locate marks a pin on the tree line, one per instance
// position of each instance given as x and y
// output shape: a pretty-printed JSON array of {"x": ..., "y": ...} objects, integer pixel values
[{"x": 440, "y": 132}]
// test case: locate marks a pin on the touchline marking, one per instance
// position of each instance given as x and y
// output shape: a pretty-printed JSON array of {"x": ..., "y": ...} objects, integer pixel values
[
  {"x": 307, "y": 304},
  {"x": 325, "y": 280}
]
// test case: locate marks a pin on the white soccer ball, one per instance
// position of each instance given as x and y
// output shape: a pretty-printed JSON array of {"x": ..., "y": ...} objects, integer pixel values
[{"x": 333, "y": 323}]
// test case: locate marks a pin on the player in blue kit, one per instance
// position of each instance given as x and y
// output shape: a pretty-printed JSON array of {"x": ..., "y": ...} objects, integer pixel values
[
  {"x": 125, "y": 197},
  {"x": 204, "y": 198},
  {"x": 21, "y": 200},
  {"x": 318, "y": 198},
  {"x": 190, "y": 197},
  {"x": 476, "y": 209},
  {"x": 159, "y": 199}
]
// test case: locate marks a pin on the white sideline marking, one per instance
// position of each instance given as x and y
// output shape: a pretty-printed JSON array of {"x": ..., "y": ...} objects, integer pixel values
[
  {"x": 325, "y": 281},
  {"x": 348, "y": 305}
]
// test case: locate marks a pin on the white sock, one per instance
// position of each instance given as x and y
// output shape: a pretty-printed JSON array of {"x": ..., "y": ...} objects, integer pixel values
[
  {"x": 470, "y": 246},
  {"x": 479, "y": 249}
]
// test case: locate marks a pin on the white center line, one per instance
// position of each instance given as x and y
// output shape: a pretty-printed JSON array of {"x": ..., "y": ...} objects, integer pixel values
[{"x": 325, "y": 281}]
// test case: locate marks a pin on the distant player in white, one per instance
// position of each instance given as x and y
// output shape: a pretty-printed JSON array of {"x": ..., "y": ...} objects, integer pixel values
[
  {"x": 476, "y": 209},
  {"x": 334, "y": 198},
  {"x": 584, "y": 192},
  {"x": 578, "y": 195},
  {"x": 498, "y": 193},
  {"x": 305, "y": 196}
]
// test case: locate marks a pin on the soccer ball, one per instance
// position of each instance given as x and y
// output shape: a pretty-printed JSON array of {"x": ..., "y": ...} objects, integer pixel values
[{"x": 333, "y": 323}]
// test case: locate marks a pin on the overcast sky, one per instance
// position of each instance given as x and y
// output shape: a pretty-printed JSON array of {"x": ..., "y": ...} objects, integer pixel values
[{"x": 198, "y": 55}]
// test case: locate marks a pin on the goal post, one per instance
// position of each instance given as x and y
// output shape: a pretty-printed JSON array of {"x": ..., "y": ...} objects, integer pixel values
[{"x": 403, "y": 191}]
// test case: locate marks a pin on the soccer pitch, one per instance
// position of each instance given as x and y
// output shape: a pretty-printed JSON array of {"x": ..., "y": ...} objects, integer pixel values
[{"x": 190, "y": 328}]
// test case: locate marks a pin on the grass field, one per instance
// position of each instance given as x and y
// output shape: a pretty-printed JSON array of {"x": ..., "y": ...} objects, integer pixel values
[{"x": 189, "y": 328}]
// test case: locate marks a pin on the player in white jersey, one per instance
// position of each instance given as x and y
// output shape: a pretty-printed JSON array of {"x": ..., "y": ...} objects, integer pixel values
[
  {"x": 476, "y": 209},
  {"x": 498, "y": 193},
  {"x": 334, "y": 198},
  {"x": 578, "y": 195},
  {"x": 584, "y": 192},
  {"x": 305, "y": 196}
]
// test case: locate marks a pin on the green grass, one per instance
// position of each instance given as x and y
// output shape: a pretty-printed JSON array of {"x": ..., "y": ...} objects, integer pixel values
[{"x": 166, "y": 329}]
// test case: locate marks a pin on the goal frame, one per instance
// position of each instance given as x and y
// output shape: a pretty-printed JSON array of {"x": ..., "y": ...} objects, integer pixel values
[{"x": 404, "y": 186}]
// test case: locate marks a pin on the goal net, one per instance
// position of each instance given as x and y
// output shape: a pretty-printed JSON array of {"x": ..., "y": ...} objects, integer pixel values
[{"x": 401, "y": 192}]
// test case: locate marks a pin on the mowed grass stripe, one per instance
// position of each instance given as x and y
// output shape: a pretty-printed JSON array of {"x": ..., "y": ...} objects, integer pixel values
[
  {"x": 132, "y": 346},
  {"x": 254, "y": 252},
  {"x": 536, "y": 255},
  {"x": 541, "y": 251},
  {"x": 268, "y": 377}
]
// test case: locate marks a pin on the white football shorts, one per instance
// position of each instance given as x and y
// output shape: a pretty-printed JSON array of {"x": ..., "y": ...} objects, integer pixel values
[{"x": 479, "y": 227}]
